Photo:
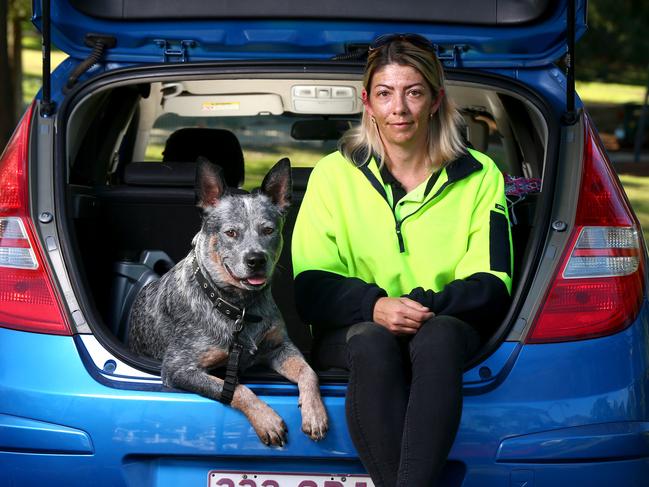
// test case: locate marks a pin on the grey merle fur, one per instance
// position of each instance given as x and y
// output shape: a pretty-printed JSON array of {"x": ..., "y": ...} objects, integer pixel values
[{"x": 237, "y": 247}]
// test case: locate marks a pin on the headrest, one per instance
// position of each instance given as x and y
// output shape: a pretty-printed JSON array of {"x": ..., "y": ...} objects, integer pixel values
[
  {"x": 169, "y": 174},
  {"x": 219, "y": 146}
]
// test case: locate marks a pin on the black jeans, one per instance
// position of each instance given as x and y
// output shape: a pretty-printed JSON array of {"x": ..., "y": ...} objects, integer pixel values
[{"x": 404, "y": 398}]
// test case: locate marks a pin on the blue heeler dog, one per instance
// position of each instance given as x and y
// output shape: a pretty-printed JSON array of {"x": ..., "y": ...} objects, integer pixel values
[{"x": 192, "y": 316}]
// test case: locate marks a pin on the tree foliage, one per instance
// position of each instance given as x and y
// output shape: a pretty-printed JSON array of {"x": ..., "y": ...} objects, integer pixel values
[{"x": 615, "y": 47}]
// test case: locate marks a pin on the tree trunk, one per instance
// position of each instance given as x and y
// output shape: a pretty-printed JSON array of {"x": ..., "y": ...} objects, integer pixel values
[
  {"x": 17, "y": 63},
  {"x": 7, "y": 114}
]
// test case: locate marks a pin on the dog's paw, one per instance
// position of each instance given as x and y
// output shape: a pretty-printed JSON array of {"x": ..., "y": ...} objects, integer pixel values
[
  {"x": 269, "y": 426},
  {"x": 314, "y": 417}
]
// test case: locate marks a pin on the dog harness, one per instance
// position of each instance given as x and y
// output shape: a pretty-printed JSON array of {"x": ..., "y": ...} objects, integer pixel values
[{"x": 230, "y": 311}]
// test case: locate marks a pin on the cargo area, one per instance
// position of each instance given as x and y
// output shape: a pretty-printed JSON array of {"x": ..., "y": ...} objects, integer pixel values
[{"x": 130, "y": 151}]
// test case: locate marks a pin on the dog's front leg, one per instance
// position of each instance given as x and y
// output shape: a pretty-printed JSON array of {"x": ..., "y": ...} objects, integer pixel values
[
  {"x": 292, "y": 365},
  {"x": 268, "y": 425}
]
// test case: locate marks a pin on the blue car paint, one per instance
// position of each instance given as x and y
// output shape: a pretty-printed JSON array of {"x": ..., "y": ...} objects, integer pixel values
[
  {"x": 532, "y": 44},
  {"x": 564, "y": 410}
]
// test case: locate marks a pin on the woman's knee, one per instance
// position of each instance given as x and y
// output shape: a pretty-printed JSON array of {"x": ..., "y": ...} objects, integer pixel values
[
  {"x": 446, "y": 334},
  {"x": 370, "y": 341}
]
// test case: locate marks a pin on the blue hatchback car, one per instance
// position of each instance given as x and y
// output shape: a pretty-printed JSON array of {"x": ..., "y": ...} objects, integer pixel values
[{"x": 97, "y": 199}]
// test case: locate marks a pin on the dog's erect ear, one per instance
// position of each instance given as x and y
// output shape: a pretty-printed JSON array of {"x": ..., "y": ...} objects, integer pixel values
[
  {"x": 277, "y": 184},
  {"x": 210, "y": 183}
]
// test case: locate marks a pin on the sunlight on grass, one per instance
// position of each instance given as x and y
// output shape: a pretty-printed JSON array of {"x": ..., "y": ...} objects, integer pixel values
[
  {"x": 32, "y": 61},
  {"x": 154, "y": 152},
  {"x": 32, "y": 66},
  {"x": 595, "y": 92},
  {"x": 637, "y": 189}
]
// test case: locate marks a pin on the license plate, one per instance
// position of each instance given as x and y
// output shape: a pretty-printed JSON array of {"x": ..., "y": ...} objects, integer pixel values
[{"x": 217, "y": 478}]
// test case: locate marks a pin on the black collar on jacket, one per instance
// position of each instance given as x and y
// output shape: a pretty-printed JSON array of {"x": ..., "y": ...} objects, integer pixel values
[
  {"x": 456, "y": 170},
  {"x": 462, "y": 167}
]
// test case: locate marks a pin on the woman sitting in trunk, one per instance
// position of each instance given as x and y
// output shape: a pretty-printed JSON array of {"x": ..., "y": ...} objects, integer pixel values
[{"x": 402, "y": 257}]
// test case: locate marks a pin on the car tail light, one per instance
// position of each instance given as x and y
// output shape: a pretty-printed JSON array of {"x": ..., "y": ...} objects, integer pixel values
[
  {"x": 599, "y": 285},
  {"x": 28, "y": 300}
]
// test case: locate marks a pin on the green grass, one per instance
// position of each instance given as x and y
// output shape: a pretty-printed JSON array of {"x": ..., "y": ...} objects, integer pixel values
[
  {"x": 32, "y": 66},
  {"x": 637, "y": 189},
  {"x": 596, "y": 92}
]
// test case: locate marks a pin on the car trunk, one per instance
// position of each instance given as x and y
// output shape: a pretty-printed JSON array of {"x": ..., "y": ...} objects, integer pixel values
[{"x": 124, "y": 224}]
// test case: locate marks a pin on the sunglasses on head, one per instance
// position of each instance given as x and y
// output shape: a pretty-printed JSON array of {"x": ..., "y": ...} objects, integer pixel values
[{"x": 414, "y": 39}]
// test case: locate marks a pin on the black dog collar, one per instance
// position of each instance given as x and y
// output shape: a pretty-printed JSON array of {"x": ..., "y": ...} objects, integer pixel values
[
  {"x": 229, "y": 310},
  {"x": 235, "y": 313}
]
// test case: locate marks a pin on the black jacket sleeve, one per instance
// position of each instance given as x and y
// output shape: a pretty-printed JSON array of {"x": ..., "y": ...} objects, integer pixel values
[
  {"x": 481, "y": 300},
  {"x": 329, "y": 300}
]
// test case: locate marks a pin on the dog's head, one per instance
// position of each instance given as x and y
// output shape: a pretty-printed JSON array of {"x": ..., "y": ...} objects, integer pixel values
[{"x": 241, "y": 237}]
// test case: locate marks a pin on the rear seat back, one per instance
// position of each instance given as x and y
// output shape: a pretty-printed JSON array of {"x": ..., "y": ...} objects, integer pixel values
[
  {"x": 283, "y": 285},
  {"x": 155, "y": 206},
  {"x": 156, "y": 174}
]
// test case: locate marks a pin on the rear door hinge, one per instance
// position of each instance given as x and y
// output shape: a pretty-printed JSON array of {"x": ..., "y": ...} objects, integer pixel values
[
  {"x": 175, "y": 51},
  {"x": 450, "y": 56}
]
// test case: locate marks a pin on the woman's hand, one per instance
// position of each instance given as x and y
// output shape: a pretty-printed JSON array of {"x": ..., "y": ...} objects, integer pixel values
[{"x": 401, "y": 316}]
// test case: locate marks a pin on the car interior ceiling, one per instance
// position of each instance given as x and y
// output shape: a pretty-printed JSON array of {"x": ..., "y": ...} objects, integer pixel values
[{"x": 120, "y": 209}]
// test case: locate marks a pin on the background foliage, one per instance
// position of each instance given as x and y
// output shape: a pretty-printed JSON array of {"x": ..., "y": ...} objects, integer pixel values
[{"x": 615, "y": 47}]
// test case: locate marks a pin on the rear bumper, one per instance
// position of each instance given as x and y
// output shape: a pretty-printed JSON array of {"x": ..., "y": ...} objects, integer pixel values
[
  {"x": 54, "y": 414},
  {"x": 562, "y": 411}
]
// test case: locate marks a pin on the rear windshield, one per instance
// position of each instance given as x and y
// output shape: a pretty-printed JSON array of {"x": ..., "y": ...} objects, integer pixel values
[{"x": 264, "y": 140}]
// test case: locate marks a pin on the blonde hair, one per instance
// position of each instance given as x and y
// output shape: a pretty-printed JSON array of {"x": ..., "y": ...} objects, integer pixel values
[{"x": 445, "y": 141}]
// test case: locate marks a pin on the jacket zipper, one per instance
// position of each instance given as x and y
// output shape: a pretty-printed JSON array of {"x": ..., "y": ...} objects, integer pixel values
[
  {"x": 398, "y": 223},
  {"x": 402, "y": 247},
  {"x": 464, "y": 172}
]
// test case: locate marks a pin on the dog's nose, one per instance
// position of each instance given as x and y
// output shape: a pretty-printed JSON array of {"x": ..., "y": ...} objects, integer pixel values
[{"x": 256, "y": 261}]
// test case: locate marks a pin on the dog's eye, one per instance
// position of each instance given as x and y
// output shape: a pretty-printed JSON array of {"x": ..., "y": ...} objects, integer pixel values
[
  {"x": 267, "y": 230},
  {"x": 231, "y": 233}
]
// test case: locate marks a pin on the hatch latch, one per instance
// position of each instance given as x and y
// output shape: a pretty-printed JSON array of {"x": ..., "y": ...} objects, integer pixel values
[
  {"x": 450, "y": 55},
  {"x": 175, "y": 51}
]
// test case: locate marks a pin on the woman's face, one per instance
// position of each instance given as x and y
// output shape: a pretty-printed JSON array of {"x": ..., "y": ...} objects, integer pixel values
[{"x": 401, "y": 102}]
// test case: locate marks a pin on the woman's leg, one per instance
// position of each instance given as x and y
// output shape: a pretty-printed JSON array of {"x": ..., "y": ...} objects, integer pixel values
[
  {"x": 376, "y": 394},
  {"x": 437, "y": 352}
]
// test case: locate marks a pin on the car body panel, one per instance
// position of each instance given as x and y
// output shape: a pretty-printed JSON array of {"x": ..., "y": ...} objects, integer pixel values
[
  {"x": 145, "y": 40},
  {"x": 547, "y": 425}
]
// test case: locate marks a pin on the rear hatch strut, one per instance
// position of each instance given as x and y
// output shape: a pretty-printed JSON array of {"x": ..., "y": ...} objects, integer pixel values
[
  {"x": 570, "y": 116},
  {"x": 47, "y": 106},
  {"x": 98, "y": 42}
]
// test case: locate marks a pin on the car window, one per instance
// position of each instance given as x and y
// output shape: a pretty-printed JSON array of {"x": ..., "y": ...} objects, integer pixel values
[{"x": 264, "y": 140}]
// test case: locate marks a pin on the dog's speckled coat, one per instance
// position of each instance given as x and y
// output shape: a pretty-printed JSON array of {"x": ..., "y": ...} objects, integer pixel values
[{"x": 237, "y": 248}]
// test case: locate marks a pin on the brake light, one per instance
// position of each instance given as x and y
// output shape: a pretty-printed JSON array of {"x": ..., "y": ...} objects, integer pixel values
[
  {"x": 28, "y": 300},
  {"x": 599, "y": 285}
]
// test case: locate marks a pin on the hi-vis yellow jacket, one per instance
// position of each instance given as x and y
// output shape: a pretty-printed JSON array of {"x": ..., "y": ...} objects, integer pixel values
[{"x": 446, "y": 244}]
